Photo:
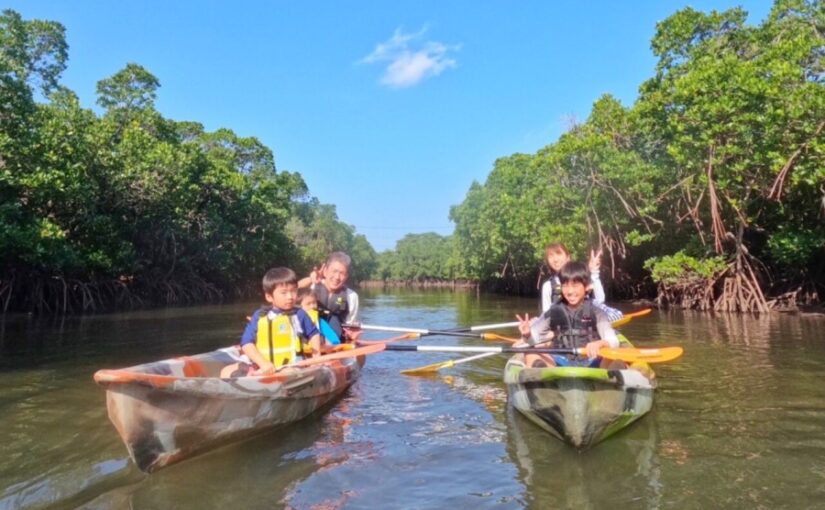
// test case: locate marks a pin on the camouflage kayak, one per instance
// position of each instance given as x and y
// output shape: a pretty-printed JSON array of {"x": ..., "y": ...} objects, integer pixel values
[
  {"x": 170, "y": 410},
  {"x": 580, "y": 405}
]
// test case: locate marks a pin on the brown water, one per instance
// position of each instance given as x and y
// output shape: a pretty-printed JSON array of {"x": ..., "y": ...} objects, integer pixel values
[{"x": 738, "y": 421}]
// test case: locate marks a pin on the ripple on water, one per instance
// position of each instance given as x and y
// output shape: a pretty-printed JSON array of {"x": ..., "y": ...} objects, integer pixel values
[{"x": 737, "y": 422}]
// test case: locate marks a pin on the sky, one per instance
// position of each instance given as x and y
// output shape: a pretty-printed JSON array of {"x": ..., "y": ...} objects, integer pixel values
[{"x": 389, "y": 110}]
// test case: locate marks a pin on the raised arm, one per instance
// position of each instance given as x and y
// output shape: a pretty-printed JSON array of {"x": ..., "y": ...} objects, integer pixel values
[{"x": 595, "y": 265}]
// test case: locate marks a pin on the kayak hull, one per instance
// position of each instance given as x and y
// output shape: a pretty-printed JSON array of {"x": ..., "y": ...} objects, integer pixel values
[
  {"x": 171, "y": 410},
  {"x": 580, "y": 406}
]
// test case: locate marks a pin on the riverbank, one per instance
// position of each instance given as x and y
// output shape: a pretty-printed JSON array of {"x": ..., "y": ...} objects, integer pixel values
[{"x": 419, "y": 284}]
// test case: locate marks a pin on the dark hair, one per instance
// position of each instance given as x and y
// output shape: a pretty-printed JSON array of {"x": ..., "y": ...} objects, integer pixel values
[
  {"x": 556, "y": 247},
  {"x": 278, "y": 276},
  {"x": 304, "y": 292},
  {"x": 575, "y": 272}
]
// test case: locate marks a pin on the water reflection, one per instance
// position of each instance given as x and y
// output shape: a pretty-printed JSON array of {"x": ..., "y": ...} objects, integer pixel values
[
  {"x": 739, "y": 421},
  {"x": 624, "y": 470}
]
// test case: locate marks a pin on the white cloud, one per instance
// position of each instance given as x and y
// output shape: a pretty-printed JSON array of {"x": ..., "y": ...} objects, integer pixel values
[{"x": 410, "y": 60}]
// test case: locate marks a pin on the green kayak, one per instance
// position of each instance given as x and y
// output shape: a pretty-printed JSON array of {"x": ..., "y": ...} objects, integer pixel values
[{"x": 580, "y": 405}]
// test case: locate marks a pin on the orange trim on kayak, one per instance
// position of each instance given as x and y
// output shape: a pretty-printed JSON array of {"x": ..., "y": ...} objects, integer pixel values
[
  {"x": 192, "y": 367},
  {"x": 122, "y": 377}
]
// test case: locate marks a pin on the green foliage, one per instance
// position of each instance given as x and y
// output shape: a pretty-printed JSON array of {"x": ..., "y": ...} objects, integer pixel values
[
  {"x": 723, "y": 152},
  {"x": 316, "y": 232},
  {"x": 132, "y": 88},
  {"x": 680, "y": 267},
  {"x": 32, "y": 52},
  {"x": 418, "y": 257},
  {"x": 792, "y": 246},
  {"x": 132, "y": 206}
]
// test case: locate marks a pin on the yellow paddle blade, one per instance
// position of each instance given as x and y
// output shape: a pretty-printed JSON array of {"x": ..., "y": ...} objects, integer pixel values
[
  {"x": 630, "y": 316},
  {"x": 428, "y": 369},
  {"x": 631, "y": 355},
  {"x": 621, "y": 322},
  {"x": 498, "y": 338}
]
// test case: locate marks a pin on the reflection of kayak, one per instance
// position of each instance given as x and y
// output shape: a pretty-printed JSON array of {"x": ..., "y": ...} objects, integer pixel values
[
  {"x": 580, "y": 405},
  {"x": 170, "y": 410}
]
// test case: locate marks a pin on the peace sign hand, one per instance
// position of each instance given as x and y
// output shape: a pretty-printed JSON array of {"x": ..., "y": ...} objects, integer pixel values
[{"x": 595, "y": 262}]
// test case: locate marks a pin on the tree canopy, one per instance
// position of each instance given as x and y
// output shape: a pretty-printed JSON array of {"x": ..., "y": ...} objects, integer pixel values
[
  {"x": 130, "y": 207},
  {"x": 715, "y": 175}
]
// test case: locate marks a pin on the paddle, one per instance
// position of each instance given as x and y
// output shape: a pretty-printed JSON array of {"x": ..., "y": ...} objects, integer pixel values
[
  {"x": 435, "y": 367},
  {"x": 629, "y": 317},
  {"x": 486, "y": 327},
  {"x": 627, "y": 354},
  {"x": 346, "y": 353},
  {"x": 483, "y": 327},
  {"x": 618, "y": 322},
  {"x": 470, "y": 332},
  {"x": 431, "y": 332},
  {"x": 448, "y": 364}
]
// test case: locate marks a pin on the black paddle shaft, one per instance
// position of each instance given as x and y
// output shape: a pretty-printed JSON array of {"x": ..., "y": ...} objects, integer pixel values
[{"x": 503, "y": 350}]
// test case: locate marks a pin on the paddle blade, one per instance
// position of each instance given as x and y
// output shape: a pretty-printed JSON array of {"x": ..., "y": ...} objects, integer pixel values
[
  {"x": 632, "y": 355},
  {"x": 498, "y": 338},
  {"x": 435, "y": 367},
  {"x": 621, "y": 322},
  {"x": 428, "y": 369},
  {"x": 630, "y": 316}
]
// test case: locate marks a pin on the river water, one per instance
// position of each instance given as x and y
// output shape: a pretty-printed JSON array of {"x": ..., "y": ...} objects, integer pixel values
[{"x": 738, "y": 421}]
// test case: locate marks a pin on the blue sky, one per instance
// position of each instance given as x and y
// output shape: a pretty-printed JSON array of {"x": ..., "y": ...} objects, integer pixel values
[{"x": 389, "y": 109}]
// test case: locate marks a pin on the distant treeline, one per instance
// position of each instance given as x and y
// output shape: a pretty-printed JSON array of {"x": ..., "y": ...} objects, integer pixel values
[
  {"x": 130, "y": 208},
  {"x": 708, "y": 191}
]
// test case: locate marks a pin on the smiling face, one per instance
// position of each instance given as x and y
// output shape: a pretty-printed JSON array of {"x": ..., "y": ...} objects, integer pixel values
[
  {"x": 335, "y": 276},
  {"x": 574, "y": 293},
  {"x": 556, "y": 259},
  {"x": 283, "y": 296}
]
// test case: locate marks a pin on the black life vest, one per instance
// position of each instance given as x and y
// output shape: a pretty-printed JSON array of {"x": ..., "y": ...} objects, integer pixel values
[
  {"x": 572, "y": 329},
  {"x": 555, "y": 290},
  {"x": 333, "y": 307}
]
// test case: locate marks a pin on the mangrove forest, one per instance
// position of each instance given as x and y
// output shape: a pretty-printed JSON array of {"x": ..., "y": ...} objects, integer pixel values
[{"x": 707, "y": 192}]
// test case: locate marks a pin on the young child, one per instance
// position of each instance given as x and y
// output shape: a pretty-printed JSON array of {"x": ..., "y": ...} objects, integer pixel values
[
  {"x": 574, "y": 322},
  {"x": 275, "y": 333},
  {"x": 337, "y": 304},
  {"x": 556, "y": 255},
  {"x": 308, "y": 301}
]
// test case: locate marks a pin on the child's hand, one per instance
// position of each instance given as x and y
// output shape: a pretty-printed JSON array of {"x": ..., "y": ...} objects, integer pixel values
[
  {"x": 593, "y": 348},
  {"x": 265, "y": 369},
  {"x": 595, "y": 262},
  {"x": 524, "y": 325}
]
